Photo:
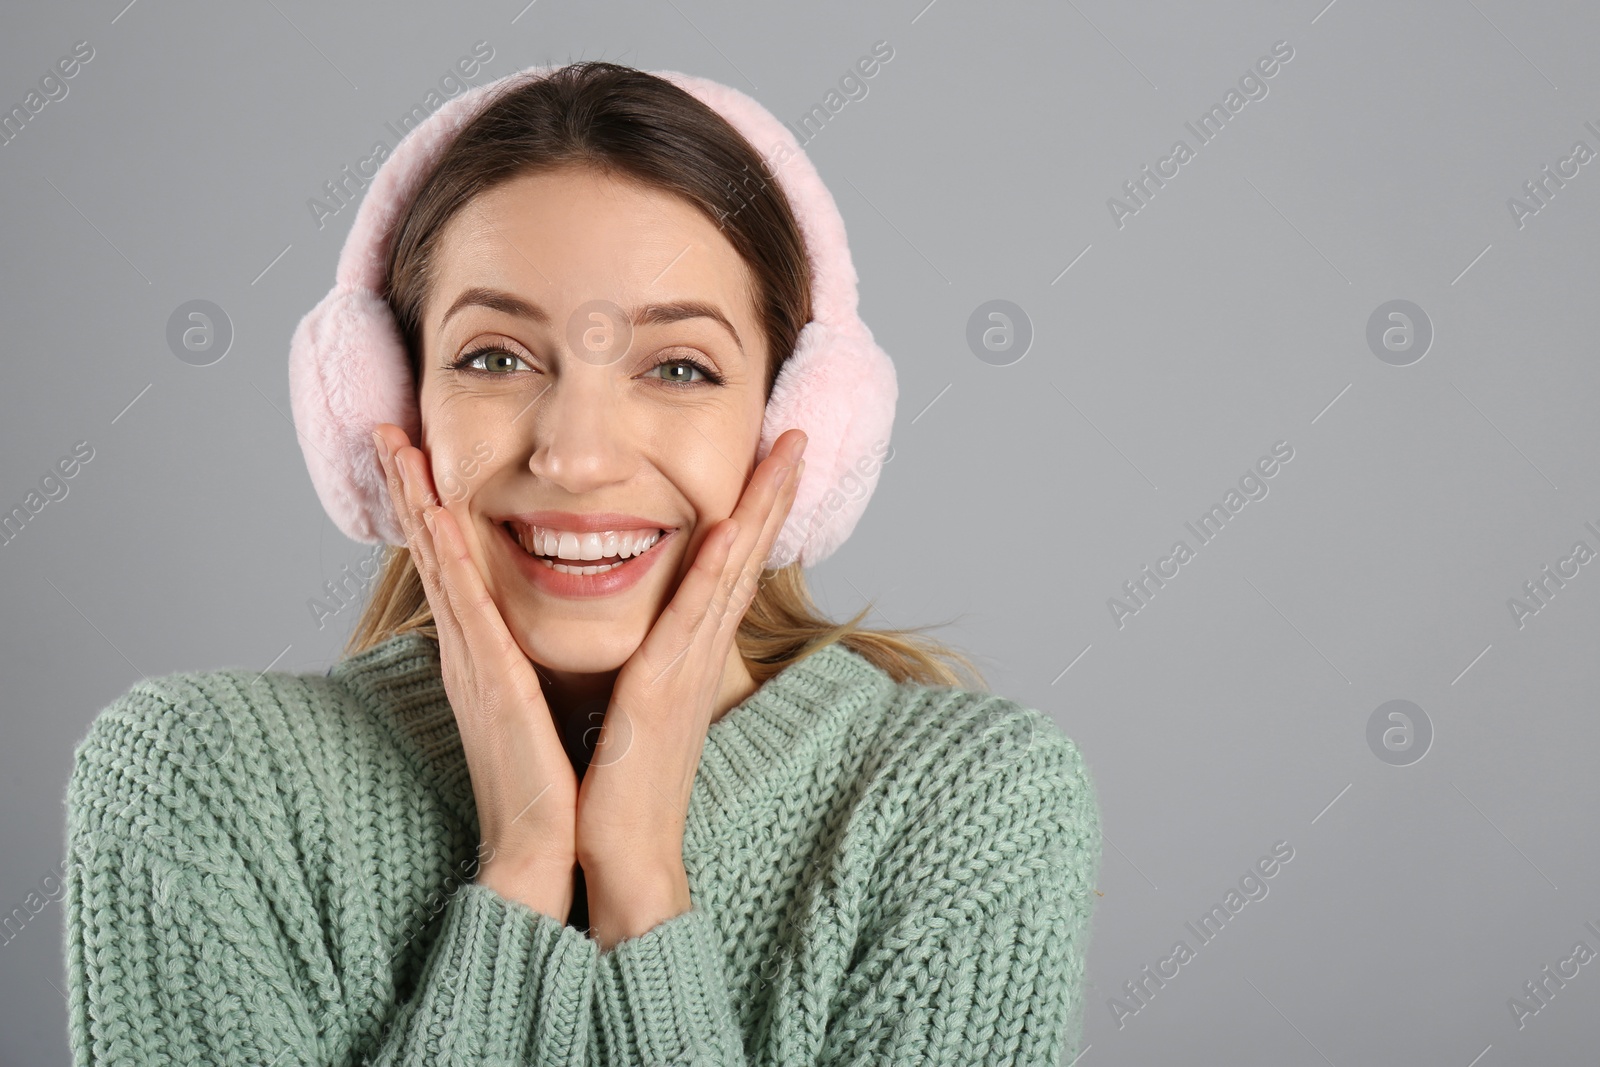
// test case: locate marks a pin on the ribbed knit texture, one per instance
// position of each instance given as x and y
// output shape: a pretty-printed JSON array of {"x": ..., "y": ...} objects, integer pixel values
[{"x": 276, "y": 870}]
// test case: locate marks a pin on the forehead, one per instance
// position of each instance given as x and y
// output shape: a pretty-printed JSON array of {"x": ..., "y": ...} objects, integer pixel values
[{"x": 573, "y": 235}]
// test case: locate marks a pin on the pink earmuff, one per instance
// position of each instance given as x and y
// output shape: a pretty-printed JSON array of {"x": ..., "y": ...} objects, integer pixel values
[{"x": 348, "y": 370}]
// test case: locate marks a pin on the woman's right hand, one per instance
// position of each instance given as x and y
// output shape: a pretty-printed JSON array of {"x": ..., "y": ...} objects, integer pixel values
[{"x": 522, "y": 778}]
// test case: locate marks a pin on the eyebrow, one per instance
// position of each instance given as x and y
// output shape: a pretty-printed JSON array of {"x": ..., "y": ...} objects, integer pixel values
[{"x": 645, "y": 315}]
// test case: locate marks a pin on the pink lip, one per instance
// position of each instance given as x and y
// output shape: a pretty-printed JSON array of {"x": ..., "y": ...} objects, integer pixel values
[{"x": 589, "y": 522}]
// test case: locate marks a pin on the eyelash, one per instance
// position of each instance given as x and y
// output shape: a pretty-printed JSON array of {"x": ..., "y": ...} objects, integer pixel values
[{"x": 464, "y": 364}]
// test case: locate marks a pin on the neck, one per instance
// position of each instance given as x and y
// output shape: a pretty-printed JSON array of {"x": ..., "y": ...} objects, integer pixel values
[{"x": 578, "y": 702}]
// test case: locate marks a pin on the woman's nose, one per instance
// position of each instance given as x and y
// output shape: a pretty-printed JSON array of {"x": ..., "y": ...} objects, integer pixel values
[{"x": 581, "y": 440}]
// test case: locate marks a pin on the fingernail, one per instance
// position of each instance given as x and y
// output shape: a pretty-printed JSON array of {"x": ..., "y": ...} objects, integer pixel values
[
  {"x": 799, "y": 470},
  {"x": 427, "y": 517},
  {"x": 381, "y": 445}
]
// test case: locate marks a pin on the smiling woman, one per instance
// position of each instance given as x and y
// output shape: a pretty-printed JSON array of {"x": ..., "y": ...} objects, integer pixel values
[
  {"x": 653, "y": 414},
  {"x": 706, "y": 824},
  {"x": 571, "y": 257}
]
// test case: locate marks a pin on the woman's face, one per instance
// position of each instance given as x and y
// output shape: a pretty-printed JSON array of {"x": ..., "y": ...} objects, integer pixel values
[{"x": 596, "y": 406}]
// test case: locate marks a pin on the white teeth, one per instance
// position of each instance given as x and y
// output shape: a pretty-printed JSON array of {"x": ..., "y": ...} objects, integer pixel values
[
  {"x": 566, "y": 545},
  {"x": 601, "y": 569},
  {"x": 637, "y": 542}
]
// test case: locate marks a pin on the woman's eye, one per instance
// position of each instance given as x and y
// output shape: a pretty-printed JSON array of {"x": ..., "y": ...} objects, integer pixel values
[
  {"x": 681, "y": 372},
  {"x": 493, "y": 359}
]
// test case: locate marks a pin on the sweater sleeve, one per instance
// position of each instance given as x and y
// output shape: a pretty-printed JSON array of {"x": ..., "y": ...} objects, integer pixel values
[
  {"x": 662, "y": 998},
  {"x": 975, "y": 951},
  {"x": 181, "y": 951},
  {"x": 976, "y": 958},
  {"x": 505, "y": 984}
]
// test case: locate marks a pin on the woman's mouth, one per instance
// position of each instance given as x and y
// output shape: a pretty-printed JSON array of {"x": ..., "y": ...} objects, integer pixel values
[
  {"x": 587, "y": 553},
  {"x": 575, "y": 565}
]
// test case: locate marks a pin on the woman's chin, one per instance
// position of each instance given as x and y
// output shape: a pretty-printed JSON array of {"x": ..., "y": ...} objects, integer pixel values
[{"x": 576, "y": 648}]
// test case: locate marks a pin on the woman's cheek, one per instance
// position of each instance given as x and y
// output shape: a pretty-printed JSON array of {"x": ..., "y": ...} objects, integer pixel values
[{"x": 455, "y": 471}]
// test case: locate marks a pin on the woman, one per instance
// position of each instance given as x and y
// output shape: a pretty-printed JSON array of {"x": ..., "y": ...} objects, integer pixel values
[{"x": 594, "y": 783}]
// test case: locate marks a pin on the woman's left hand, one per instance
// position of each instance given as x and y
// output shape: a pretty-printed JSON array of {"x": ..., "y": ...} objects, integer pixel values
[{"x": 634, "y": 797}]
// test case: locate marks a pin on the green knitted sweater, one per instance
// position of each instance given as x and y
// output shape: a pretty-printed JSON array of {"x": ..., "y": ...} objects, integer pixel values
[{"x": 275, "y": 869}]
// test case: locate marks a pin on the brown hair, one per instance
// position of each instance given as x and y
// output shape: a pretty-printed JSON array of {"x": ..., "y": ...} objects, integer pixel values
[{"x": 634, "y": 126}]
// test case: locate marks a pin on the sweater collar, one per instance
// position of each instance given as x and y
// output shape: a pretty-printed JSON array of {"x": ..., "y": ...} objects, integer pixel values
[{"x": 761, "y": 747}]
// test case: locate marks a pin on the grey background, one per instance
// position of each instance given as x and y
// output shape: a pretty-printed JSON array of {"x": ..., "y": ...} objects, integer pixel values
[{"x": 1230, "y": 313}]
